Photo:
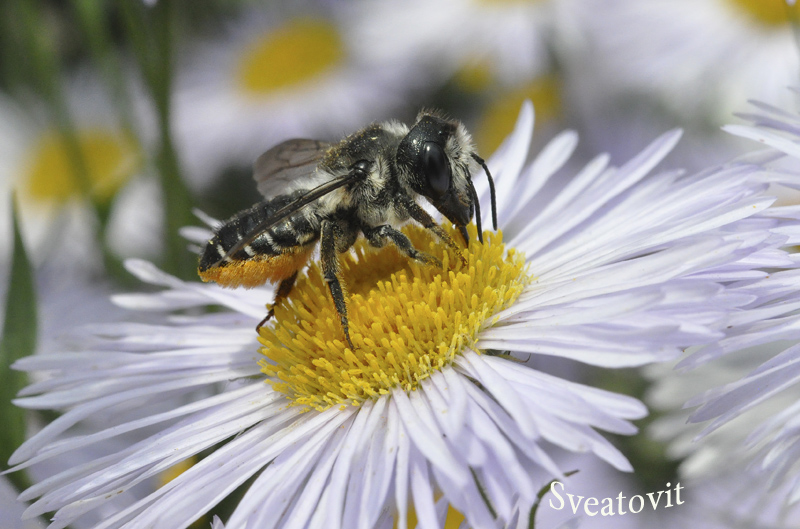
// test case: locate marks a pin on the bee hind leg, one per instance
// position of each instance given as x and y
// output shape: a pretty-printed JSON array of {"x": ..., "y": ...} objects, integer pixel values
[
  {"x": 330, "y": 269},
  {"x": 379, "y": 235},
  {"x": 284, "y": 288}
]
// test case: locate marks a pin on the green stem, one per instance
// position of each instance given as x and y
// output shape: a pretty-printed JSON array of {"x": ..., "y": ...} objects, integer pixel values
[
  {"x": 152, "y": 31},
  {"x": 93, "y": 23}
]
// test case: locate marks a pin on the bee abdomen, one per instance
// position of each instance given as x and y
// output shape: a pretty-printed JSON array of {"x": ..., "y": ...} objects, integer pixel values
[
  {"x": 258, "y": 270},
  {"x": 271, "y": 256}
]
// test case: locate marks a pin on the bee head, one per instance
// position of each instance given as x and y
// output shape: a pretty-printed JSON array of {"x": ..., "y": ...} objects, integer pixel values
[{"x": 434, "y": 159}]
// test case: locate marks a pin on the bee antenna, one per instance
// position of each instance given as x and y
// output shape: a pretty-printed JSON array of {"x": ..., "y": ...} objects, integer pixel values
[
  {"x": 477, "y": 209},
  {"x": 482, "y": 163}
]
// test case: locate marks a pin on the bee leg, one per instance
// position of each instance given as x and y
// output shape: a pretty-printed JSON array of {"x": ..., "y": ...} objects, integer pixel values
[
  {"x": 330, "y": 270},
  {"x": 378, "y": 236},
  {"x": 266, "y": 319},
  {"x": 420, "y": 215},
  {"x": 465, "y": 234},
  {"x": 284, "y": 288}
]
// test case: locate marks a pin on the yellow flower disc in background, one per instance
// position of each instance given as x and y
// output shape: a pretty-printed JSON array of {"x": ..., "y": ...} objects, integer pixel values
[
  {"x": 109, "y": 159},
  {"x": 501, "y": 114},
  {"x": 475, "y": 76},
  {"x": 770, "y": 12},
  {"x": 453, "y": 521},
  {"x": 292, "y": 54}
]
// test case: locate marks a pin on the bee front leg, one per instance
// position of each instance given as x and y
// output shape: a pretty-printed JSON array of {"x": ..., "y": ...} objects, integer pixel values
[
  {"x": 330, "y": 269},
  {"x": 284, "y": 288},
  {"x": 379, "y": 235},
  {"x": 420, "y": 215}
]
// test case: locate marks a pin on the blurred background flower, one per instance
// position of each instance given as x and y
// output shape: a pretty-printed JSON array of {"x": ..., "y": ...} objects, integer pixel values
[
  {"x": 727, "y": 487},
  {"x": 699, "y": 58},
  {"x": 119, "y": 118},
  {"x": 266, "y": 75}
]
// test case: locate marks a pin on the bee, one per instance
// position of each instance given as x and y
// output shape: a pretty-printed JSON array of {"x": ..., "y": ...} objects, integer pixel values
[{"x": 367, "y": 184}]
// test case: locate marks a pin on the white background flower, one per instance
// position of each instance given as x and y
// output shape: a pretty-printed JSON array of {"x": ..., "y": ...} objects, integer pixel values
[
  {"x": 56, "y": 218},
  {"x": 749, "y": 406},
  {"x": 509, "y": 38},
  {"x": 700, "y": 58},
  {"x": 726, "y": 490},
  {"x": 239, "y": 94}
]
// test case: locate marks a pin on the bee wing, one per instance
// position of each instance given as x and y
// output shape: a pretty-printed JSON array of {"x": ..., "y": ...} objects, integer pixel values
[
  {"x": 308, "y": 197},
  {"x": 283, "y": 165}
]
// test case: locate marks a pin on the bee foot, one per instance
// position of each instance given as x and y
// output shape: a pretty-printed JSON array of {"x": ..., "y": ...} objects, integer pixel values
[
  {"x": 428, "y": 259},
  {"x": 349, "y": 342},
  {"x": 268, "y": 317}
]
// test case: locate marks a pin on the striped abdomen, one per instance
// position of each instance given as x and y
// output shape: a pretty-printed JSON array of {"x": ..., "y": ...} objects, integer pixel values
[{"x": 273, "y": 255}]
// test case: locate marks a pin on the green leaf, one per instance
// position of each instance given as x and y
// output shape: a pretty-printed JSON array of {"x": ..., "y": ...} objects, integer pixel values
[{"x": 18, "y": 340}]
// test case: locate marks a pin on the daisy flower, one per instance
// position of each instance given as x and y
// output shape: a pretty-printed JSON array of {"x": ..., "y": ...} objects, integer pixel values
[
  {"x": 497, "y": 54},
  {"x": 11, "y": 510},
  {"x": 725, "y": 488},
  {"x": 699, "y": 57},
  {"x": 135, "y": 225},
  {"x": 35, "y": 165},
  {"x": 739, "y": 498},
  {"x": 69, "y": 297},
  {"x": 507, "y": 41},
  {"x": 441, "y": 405},
  {"x": 272, "y": 76},
  {"x": 767, "y": 393}
]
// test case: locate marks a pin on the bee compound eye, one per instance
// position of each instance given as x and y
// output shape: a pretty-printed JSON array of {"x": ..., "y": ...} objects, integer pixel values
[
  {"x": 362, "y": 167},
  {"x": 436, "y": 168}
]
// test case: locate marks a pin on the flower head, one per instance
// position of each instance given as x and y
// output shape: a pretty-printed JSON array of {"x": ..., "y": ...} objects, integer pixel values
[
  {"x": 751, "y": 413},
  {"x": 271, "y": 76},
  {"x": 497, "y": 54},
  {"x": 700, "y": 58},
  {"x": 442, "y": 403},
  {"x": 410, "y": 321},
  {"x": 38, "y": 165},
  {"x": 506, "y": 40}
]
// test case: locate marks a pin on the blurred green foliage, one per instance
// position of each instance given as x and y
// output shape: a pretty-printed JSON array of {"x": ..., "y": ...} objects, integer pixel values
[
  {"x": 42, "y": 41},
  {"x": 18, "y": 340}
]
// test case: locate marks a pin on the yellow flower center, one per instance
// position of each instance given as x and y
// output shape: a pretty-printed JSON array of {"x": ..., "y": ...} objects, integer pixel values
[
  {"x": 501, "y": 114},
  {"x": 110, "y": 160},
  {"x": 474, "y": 77},
  {"x": 173, "y": 472},
  {"x": 407, "y": 320},
  {"x": 292, "y": 54},
  {"x": 453, "y": 520},
  {"x": 769, "y": 12}
]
